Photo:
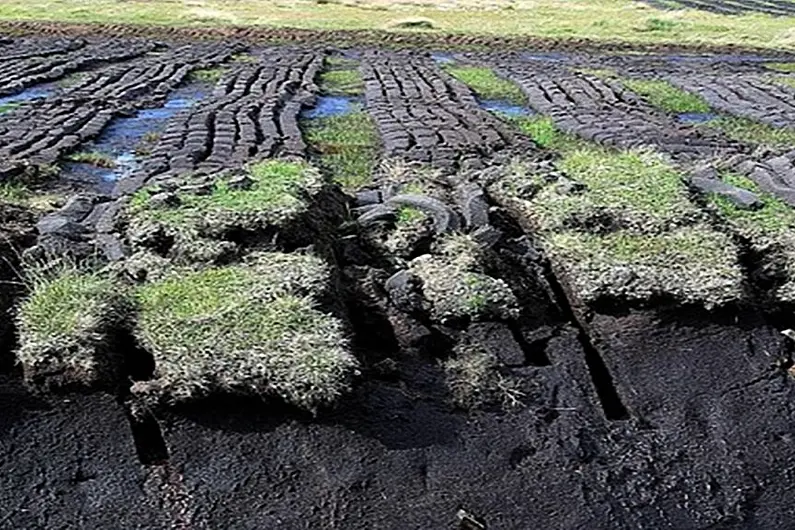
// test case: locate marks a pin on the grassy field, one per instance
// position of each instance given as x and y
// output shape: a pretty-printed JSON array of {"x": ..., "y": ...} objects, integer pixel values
[{"x": 606, "y": 20}]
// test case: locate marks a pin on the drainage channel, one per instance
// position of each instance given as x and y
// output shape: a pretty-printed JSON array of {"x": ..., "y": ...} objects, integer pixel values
[
  {"x": 328, "y": 106},
  {"x": 29, "y": 94},
  {"x": 117, "y": 153}
]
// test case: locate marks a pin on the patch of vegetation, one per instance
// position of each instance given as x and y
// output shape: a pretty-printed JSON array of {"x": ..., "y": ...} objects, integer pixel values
[
  {"x": 620, "y": 224},
  {"x": 341, "y": 63},
  {"x": 8, "y": 107},
  {"x": 94, "y": 158},
  {"x": 408, "y": 215},
  {"x": 253, "y": 328},
  {"x": 600, "y": 20},
  {"x": 667, "y": 97},
  {"x": 456, "y": 285},
  {"x": 691, "y": 264},
  {"x": 474, "y": 379},
  {"x": 65, "y": 324},
  {"x": 276, "y": 192},
  {"x": 786, "y": 68},
  {"x": 14, "y": 193},
  {"x": 749, "y": 131},
  {"x": 486, "y": 84},
  {"x": 769, "y": 229},
  {"x": 207, "y": 75},
  {"x": 785, "y": 80},
  {"x": 342, "y": 82},
  {"x": 347, "y": 146},
  {"x": 543, "y": 132},
  {"x": 244, "y": 58}
]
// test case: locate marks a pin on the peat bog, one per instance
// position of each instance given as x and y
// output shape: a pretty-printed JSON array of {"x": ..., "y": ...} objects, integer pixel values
[{"x": 297, "y": 286}]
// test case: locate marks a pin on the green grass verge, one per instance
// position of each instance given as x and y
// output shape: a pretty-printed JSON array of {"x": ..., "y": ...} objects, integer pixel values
[
  {"x": 542, "y": 131},
  {"x": 667, "y": 97},
  {"x": 347, "y": 146},
  {"x": 749, "y": 131},
  {"x": 486, "y": 84},
  {"x": 64, "y": 326},
  {"x": 605, "y": 20},
  {"x": 252, "y": 328},
  {"x": 342, "y": 82}
]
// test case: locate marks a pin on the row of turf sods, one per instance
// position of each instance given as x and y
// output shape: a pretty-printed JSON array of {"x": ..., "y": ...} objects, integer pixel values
[{"x": 215, "y": 292}]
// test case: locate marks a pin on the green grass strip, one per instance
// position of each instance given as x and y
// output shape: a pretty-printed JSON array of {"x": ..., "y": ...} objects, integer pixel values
[
  {"x": 667, "y": 97},
  {"x": 486, "y": 84},
  {"x": 347, "y": 145}
]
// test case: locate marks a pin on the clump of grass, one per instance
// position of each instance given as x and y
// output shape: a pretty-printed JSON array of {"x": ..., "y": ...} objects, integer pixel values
[
  {"x": 785, "y": 81},
  {"x": 253, "y": 328},
  {"x": 749, "y": 131},
  {"x": 409, "y": 215},
  {"x": 620, "y": 224},
  {"x": 421, "y": 23},
  {"x": 667, "y": 97},
  {"x": 8, "y": 107},
  {"x": 244, "y": 58},
  {"x": 14, "y": 193},
  {"x": 277, "y": 193},
  {"x": 486, "y": 84},
  {"x": 65, "y": 325},
  {"x": 543, "y": 132},
  {"x": 341, "y": 63},
  {"x": 457, "y": 287},
  {"x": 347, "y": 146},
  {"x": 691, "y": 264},
  {"x": 473, "y": 377},
  {"x": 786, "y": 68},
  {"x": 342, "y": 82},
  {"x": 770, "y": 230},
  {"x": 206, "y": 75},
  {"x": 94, "y": 158}
]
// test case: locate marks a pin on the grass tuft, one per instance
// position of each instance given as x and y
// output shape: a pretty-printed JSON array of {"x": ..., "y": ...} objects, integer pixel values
[
  {"x": 457, "y": 287},
  {"x": 486, "y": 84},
  {"x": 347, "y": 145},
  {"x": 667, "y": 97},
  {"x": 473, "y": 378},
  {"x": 8, "y": 107},
  {"x": 93, "y": 158},
  {"x": 65, "y": 324},
  {"x": 206, "y": 75},
  {"x": 542, "y": 131},
  {"x": 252, "y": 328}
]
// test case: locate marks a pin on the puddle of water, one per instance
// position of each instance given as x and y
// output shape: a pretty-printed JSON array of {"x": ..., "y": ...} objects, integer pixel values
[
  {"x": 696, "y": 117},
  {"x": 29, "y": 94},
  {"x": 330, "y": 106},
  {"x": 442, "y": 57},
  {"x": 505, "y": 107},
  {"x": 548, "y": 57},
  {"x": 120, "y": 139}
]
